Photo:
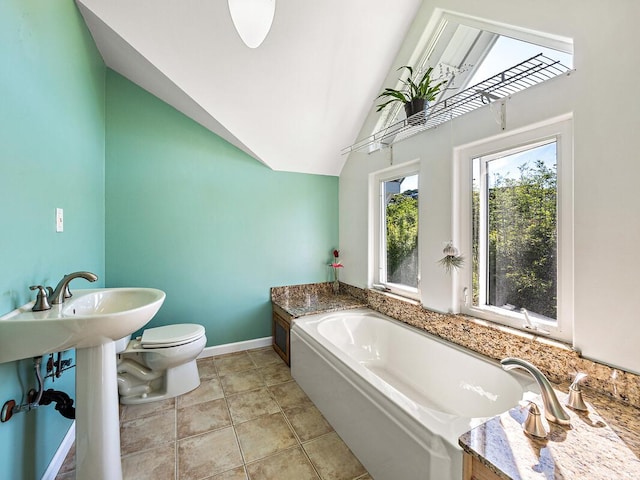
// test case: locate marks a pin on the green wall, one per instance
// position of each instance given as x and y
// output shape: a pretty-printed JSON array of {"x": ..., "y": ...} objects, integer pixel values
[
  {"x": 190, "y": 214},
  {"x": 178, "y": 208},
  {"x": 52, "y": 123}
]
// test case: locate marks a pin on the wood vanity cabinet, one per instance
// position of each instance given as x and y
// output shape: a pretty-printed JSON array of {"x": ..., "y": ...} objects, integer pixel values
[
  {"x": 474, "y": 469},
  {"x": 281, "y": 328}
]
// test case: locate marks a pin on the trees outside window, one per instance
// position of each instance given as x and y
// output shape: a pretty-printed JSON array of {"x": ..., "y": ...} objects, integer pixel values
[
  {"x": 397, "y": 238},
  {"x": 401, "y": 214},
  {"x": 515, "y": 230}
]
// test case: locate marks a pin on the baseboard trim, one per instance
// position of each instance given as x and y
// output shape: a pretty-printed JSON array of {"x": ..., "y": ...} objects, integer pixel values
[
  {"x": 236, "y": 347},
  {"x": 61, "y": 454}
]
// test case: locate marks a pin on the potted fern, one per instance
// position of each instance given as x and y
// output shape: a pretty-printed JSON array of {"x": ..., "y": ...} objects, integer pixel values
[{"x": 415, "y": 95}]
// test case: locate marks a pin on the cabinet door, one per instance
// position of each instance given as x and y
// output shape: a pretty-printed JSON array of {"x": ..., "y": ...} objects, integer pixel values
[
  {"x": 280, "y": 331},
  {"x": 473, "y": 469}
]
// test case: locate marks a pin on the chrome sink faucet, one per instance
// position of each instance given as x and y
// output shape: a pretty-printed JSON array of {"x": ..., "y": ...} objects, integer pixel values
[
  {"x": 62, "y": 292},
  {"x": 553, "y": 411}
]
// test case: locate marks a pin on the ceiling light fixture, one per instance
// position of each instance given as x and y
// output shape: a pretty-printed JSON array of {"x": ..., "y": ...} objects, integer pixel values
[{"x": 252, "y": 19}]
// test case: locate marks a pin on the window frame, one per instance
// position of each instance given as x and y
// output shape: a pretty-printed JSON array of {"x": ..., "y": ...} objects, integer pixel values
[
  {"x": 560, "y": 130},
  {"x": 378, "y": 230}
]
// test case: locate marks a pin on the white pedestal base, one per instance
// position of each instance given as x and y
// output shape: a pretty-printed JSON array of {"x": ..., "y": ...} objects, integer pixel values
[{"x": 97, "y": 414}]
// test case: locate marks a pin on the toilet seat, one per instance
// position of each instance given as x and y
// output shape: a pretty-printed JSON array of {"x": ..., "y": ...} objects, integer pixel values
[{"x": 171, "y": 335}]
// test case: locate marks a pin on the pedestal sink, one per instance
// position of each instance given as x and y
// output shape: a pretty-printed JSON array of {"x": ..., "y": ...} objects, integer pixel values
[{"x": 90, "y": 322}]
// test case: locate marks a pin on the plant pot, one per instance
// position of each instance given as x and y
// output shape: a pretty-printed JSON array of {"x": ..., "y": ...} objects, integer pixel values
[{"x": 415, "y": 107}]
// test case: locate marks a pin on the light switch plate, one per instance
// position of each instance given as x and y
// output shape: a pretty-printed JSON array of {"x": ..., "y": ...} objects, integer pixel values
[{"x": 59, "y": 220}]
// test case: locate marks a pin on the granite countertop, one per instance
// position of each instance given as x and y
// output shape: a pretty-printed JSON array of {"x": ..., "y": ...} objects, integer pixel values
[
  {"x": 317, "y": 302},
  {"x": 601, "y": 444}
]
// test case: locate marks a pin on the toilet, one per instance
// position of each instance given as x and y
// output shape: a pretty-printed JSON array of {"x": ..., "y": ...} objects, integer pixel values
[{"x": 159, "y": 364}]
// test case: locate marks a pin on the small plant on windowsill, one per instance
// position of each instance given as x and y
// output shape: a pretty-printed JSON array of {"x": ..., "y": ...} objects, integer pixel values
[
  {"x": 452, "y": 259},
  {"x": 414, "y": 96},
  {"x": 336, "y": 265}
]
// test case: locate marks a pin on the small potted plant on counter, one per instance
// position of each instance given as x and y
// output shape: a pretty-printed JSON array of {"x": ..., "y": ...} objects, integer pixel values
[{"x": 415, "y": 95}]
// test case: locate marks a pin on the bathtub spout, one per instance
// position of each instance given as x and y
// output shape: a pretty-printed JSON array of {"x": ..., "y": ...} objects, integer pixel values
[{"x": 553, "y": 411}]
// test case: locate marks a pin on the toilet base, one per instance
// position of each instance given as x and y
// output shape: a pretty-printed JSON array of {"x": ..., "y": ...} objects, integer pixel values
[{"x": 176, "y": 381}]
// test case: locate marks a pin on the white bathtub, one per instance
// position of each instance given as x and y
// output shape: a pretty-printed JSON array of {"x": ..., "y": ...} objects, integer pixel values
[{"x": 398, "y": 397}]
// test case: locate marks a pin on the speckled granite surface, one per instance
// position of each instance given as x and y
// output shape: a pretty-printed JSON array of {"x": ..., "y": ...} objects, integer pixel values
[
  {"x": 301, "y": 300},
  {"x": 591, "y": 448},
  {"x": 603, "y": 444},
  {"x": 556, "y": 360}
]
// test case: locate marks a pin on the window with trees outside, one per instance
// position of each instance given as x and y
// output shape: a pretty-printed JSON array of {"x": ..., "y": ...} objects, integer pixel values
[
  {"x": 397, "y": 225},
  {"x": 514, "y": 205},
  {"x": 515, "y": 238}
]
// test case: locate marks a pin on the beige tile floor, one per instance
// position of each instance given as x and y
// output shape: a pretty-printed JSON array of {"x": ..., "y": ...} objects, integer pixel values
[{"x": 248, "y": 420}]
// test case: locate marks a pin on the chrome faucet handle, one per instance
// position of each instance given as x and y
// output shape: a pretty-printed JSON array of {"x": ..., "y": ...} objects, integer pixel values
[
  {"x": 42, "y": 300},
  {"x": 533, "y": 423},
  {"x": 575, "y": 399}
]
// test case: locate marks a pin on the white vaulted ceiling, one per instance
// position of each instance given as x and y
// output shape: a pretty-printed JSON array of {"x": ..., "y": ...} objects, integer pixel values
[{"x": 293, "y": 103}]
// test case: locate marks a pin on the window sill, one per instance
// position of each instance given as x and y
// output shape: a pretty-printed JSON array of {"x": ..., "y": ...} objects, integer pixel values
[
  {"x": 531, "y": 335},
  {"x": 516, "y": 322},
  {"x": 396, "y": 296}
]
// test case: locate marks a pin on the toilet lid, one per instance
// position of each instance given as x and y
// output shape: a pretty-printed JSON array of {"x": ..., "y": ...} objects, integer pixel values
[{"x": 171, "y": 335}]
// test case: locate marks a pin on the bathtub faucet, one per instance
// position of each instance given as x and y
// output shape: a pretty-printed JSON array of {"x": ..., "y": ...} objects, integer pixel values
[{"x": 553, "y": 411}]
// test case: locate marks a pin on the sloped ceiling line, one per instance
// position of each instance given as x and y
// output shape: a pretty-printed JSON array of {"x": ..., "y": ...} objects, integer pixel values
[
  {"x": 293, "y": 103},
  {"x": 126, "y": 60}
]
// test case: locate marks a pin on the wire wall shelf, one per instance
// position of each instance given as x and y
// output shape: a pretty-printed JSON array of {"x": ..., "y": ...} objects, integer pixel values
[{"x": 526, "y": 74}]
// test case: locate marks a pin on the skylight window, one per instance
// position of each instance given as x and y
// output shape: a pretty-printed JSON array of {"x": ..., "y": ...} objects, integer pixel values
[
  {"x": 507, "y": 52},
  {"x": 466, "y": 51}
]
